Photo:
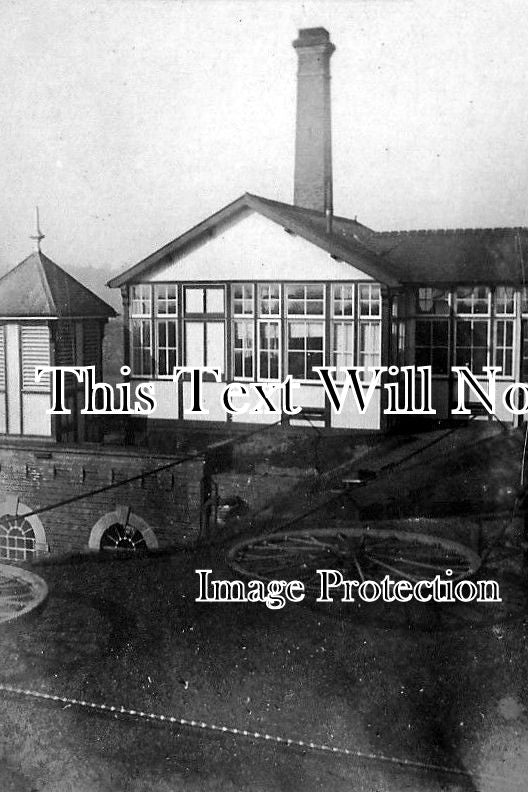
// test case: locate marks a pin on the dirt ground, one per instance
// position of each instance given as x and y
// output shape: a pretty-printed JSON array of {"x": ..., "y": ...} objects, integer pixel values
[{"x": 128, "y": 632}]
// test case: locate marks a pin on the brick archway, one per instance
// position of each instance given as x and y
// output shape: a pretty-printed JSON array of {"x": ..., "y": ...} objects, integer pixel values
[
  {"x": 125, "y": 517},
  {"x": 21, "y": 537}
]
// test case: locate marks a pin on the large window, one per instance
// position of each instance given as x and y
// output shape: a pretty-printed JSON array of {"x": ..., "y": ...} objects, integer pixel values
[
  {"x": 17, "y": 539},
  {"x": 269, "y": 331},
  {"x": 205, "y": 336},
  {"x": 504, "y": 346},
  {"x": 369, "y": 307},
  {"x": 166, "y": 338},
  {"x": 305, "y": 339},
  {"x": 472, "y": 335},
  {"x": 343, "y": 313},
  {"x": 141, "y": 347},
  {"x": 153, "y": 329},
  {"x": 274, "y": 329},
  {"x": 243, "y": 305},
  {"x": 167, "y": 335}
]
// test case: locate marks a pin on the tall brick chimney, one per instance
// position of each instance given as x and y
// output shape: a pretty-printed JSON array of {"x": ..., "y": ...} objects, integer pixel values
[{"x": 313, "y": 139}]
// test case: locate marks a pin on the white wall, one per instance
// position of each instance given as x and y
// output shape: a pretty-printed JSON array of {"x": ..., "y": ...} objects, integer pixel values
[
  {"x": 13, "y": 380},
  {"x": 255, "y": 248},
  {"x": 34, "y": 406}
]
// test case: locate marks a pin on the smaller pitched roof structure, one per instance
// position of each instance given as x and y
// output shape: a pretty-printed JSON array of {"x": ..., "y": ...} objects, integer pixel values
[{"x": 37, "y": 287}]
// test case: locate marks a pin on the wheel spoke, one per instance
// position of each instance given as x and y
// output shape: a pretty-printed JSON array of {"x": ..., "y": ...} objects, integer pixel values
[{"x": 363, "y": 552}]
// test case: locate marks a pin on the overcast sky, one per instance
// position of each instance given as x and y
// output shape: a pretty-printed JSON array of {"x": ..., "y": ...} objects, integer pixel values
[{"x": 128, "y": 121}]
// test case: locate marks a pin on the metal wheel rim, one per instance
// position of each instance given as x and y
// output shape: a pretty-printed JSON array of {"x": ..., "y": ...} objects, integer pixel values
[
  {"x": 470, "y": 559},
  {"x": 21, "y": 591}
]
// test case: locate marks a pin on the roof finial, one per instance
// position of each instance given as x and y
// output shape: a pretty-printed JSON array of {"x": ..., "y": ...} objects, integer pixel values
[{"x": 39, "y": 236}]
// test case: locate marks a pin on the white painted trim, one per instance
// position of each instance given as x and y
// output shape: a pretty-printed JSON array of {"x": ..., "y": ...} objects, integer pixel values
[{"x": 123, "y": 516}]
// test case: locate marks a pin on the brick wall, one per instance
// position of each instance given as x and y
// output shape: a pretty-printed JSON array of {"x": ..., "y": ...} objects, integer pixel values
[{"x": 169, "y": 502}]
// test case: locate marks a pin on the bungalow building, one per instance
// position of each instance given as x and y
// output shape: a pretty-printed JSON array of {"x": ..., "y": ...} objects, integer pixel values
[{"x": 263, "y": 289}]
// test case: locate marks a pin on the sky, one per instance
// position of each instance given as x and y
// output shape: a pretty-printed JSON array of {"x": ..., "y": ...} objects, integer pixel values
[{"x": 128, "y": 121}]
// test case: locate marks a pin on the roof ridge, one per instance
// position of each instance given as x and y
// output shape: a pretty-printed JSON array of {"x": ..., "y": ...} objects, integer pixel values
[
  {"x": 304, "y": 209},
  {"x": 440, "y": 231},
  {"x": 44, "y": 279},
  {"x": 76, "y": 281}
]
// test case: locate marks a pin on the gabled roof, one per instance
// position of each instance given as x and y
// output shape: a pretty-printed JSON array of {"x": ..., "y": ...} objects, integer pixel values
[
  {"x": 474, "y": 255},
  {"x": 38, "y": 287},
  {"x": 480, "y": 255},
  {"x": 344, "y": 242}
]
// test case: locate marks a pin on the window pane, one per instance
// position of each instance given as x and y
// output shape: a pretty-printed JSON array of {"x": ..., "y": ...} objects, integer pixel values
[
  {"x": 480, "y": 359},
  {"x": 243, "y": 348},
  {"x": 369, "y": 344},
  {"x": 215, "y": 345},
  {"x": 369, "y": 300},
  {"x": 464, "y": 334},
  {"x": 243, "y": 299},
  {"x": 440, "y": 334},
  {"x": 504, "y": 300},
  {"x": 343, "y": 300},
  {"x": 423, "y": 333},
  {"x": 433, "y": 301},
  {"x": 269, "y": 345},
  {"x": 472, "y": 300},
  {"x": 269, "y": 302},
  {"x": 480, "y": 334},
  {"x": 140, "y": 337},
  {"x": 296, "y": 365},
  {"x": 305, "y": 300},
  {"x": 194, "y": 301},
  {"x": 305, "y": 348},
  {"x": 295, "y": 292},
  {"x": 140, "y": 300},
  {"x": 166, "y": 299},
  {"x": 214, "y": 300},
  {"x": 167, "y": 352},
  {"x": 343, "y": 346},
  {"x": 194, "y": 344}
]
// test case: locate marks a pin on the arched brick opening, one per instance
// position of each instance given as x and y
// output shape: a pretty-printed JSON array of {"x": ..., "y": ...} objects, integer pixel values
[
  {"x": 21, "y": 537},
  {"x": 122, "y": 529}
]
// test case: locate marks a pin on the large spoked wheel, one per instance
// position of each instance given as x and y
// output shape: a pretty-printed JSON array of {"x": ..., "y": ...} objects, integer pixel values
[
  {"x": 359, "y": 554},
  {"x": 21, "y": 592}
]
